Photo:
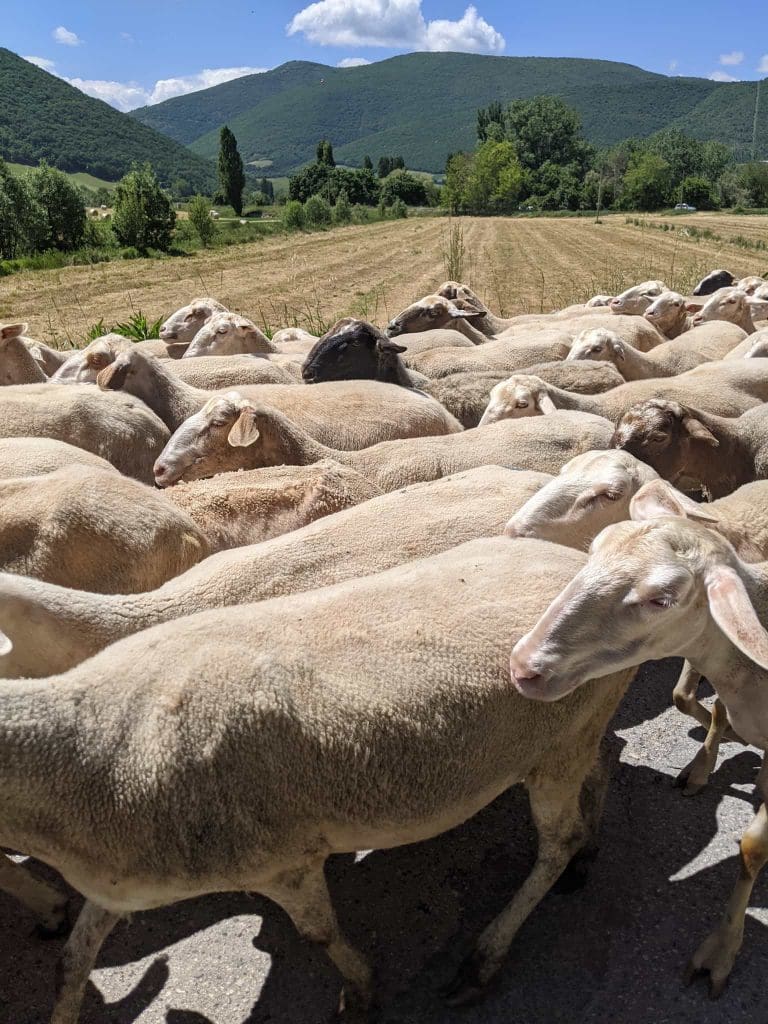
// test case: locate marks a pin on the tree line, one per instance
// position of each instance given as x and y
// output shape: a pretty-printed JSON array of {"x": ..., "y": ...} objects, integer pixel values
[{"x": 531, "y": 155}]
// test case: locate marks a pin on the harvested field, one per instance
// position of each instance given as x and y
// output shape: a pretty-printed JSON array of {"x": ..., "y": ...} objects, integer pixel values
[{"x": 518, "y": 265}]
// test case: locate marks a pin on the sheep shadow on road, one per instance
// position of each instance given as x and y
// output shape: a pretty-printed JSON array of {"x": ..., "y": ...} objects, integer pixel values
[{"x": 614, "y": 950}]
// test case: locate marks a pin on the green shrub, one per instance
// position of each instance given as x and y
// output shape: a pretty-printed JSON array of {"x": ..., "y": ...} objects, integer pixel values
[
  {"x": 398, "y": 209},
  {"x": 293, "y": 214},
  {"x": 138, "y": 328},
  {"x": 317, "y": 212},
  {"x": 200, "y": 218},
  {"x": 144, "y": 217},
  {"x": 342, "y": 211}
]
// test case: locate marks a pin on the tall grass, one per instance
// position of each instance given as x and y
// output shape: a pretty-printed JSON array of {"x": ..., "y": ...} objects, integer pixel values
[{"x": 454, "y": 251}]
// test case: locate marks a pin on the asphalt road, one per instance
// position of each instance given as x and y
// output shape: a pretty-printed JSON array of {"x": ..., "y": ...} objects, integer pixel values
[{"x": 614, "y": 951}]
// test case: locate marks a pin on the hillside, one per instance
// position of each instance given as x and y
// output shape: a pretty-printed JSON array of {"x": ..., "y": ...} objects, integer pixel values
[
  {"x": 43, "y": 117},
  {"x": 423, "y": 106}
]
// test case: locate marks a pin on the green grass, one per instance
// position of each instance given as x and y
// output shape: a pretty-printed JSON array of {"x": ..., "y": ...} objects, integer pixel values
[{"x": 79, "y": 177}]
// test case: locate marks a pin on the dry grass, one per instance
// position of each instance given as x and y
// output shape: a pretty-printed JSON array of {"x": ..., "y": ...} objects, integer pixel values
[{"x": 517, "y": 265}]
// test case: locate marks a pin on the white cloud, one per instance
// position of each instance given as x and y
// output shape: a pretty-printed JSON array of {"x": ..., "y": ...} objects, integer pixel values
[
  {"x": 762, "y": 67},
  {"x": 472, "y": 34},
  {"x": 732, "y": 59},
  {"x": 127, "y": 37},
  {"x": 395, "y": 24},
  {"x": 42, "y": 62},
  {"x": 721, "y": 76},
  {"x": 673, "y": 65},
  {"x": 65, "y": 37},
  {"x": 129, "y": 95},
  {"x": 352, "y": 62},
  {"x": 205, "y": 79},
  {"x": 123, "y": 95}
]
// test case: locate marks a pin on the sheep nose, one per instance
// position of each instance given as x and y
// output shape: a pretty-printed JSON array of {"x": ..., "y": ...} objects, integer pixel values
[
  {"x": 392, "y": 329},
  {"x": 161, "y": 471},
  {"x": 524, "y": 677}
]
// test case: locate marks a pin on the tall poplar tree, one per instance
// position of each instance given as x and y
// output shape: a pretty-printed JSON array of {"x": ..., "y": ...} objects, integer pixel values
[{"x": 231, "y": 173}]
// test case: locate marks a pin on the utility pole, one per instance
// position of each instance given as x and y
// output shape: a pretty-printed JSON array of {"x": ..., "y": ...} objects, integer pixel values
[{"x": 754, "y": 122}]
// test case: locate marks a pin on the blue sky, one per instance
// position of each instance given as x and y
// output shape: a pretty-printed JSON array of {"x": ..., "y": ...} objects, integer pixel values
[{"x": 131, "y": 52}]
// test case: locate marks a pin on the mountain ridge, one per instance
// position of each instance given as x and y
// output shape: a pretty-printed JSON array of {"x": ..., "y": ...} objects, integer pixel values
[{"x": 423, "y": 105}]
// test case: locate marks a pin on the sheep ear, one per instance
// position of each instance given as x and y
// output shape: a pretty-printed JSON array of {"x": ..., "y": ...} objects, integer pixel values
[
  {"x": 390, "y": 346},
  {"x": 466, "y": 314},
  {"x": 618, "y": 350},
  {"x": 98, "y": 360},
  {"x": 6, "y": 644},
  {"x": 112, "y": 377},
  {"x": 659, "y": 499},
  {"x": 733, "y": 612},
  {"x": 698, "y": 432},
  {"x": 544, "y": 404},
  {"x": 694, "y": 307},
  {"x": 244, "y": 431},
  {"x": 13, "y": 331}
]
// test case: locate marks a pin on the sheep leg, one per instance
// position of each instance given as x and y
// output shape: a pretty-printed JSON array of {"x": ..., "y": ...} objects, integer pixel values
[
  {"x": 48, "y": 904},
  {"x": 555, "y": 805},
  {"x": 695, "y": 775},
  {"x": 77, "y": 959},
  {"x": 717, "y": 953},
  {"x": 684, "y": 697},
  {"x": 304, "y": 896}
]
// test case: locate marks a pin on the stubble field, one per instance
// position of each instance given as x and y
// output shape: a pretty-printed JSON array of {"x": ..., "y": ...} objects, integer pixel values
[{"x": 517, "y": 265}]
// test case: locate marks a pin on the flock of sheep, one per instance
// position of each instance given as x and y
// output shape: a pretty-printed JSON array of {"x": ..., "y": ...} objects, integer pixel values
[{"x": 310, "y": 636}]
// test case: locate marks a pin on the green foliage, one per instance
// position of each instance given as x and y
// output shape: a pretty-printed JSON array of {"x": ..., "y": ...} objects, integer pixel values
[
  {"x": 387, "y": 164},
  {"x": 754, "y": 180},
  {"x": 490, "y": 122},
  {"x": 143, "y": 217},
  {"x": 293, "y": 214},
  {"x": 23, "y": 220},
  {"x": 367, "y": 163},
  {"x": 44, "y": 118},
  {"x": 322, "y": 179},
  {"x": 342, "y": 211},
  {"x": 545, "y": 130},
  {"x": 698, "y": 192},
  {"x": 404, "y": 186},
  {"x": 267, "y": 189},
  {"x": 647, "y": 183},
  {"x": 398, "y": 209},
  {"x": 97, "y": 330},
  {"x": 200, "y": 218},
  {"x": 231, "y": 173},
  {"x": 317, "y": 212},
  {"x": 63, "y": 205},
  {"x": 325, "y": 153},
  {"x": 138, "y": 328}
]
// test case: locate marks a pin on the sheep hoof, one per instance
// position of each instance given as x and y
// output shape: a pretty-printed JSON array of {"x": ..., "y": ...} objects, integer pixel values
[
  {"x": 576, "y": 874},
  {"x": 55, "y": 931},
  {"x": 466, "y": 986}
]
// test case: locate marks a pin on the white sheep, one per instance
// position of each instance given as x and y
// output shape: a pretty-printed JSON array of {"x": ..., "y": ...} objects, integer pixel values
[
  {"x": 137, "y": 767},
  {"x": 227, "y": 334},
  {"x": 17, "y": 364},
  {"x": 669, "y": 588},
  {"x": 181, "y": 326}
]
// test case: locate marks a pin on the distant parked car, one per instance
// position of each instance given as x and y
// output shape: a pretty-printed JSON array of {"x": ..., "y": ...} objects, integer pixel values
[{"x": 686, "y": 207}]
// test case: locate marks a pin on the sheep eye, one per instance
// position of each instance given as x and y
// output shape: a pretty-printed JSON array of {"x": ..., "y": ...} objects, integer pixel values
[
  {"x": 613, "y": 495},
  {"x": 434, "y": 312},
  {"x": 662, "y": 601},
  {"x": 658, "y": 437}
]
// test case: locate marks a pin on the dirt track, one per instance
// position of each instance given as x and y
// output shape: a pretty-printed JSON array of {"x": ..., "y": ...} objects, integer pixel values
[{"x": 374, "y": 270}]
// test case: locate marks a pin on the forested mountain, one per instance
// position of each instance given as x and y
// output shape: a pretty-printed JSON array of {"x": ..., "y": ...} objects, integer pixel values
[
  {"x": 423, "y": 105},
  {"x": 42, "y": 116}
]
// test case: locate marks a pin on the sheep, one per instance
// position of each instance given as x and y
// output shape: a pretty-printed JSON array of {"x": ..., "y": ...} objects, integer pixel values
[
  {"x": 669, "y": 587},
  {"x": 466, "y": 395},
  {"x": 84, "y": 527},
  {"x": 216, "y": 372},
  {"x": 714, "y": 280},
  {"x": 360, "y": 745},
  {"x": 34, "y": 456},
  {"x": 694, "y": 449},
  {"x": 707, "y": 343},
  {"x": 235, "y": 509},
  {"x": 589, "y": 493},
  {"x": 758, "y": 349},
  {"x": 669, "y": 314},
  {"x": 116, "y": 427},
  {"x": 245, "y": 435},
  {"x": 750, "y": 284},
  {"x": 740, "y": 518},
  {"x": 729, "y": 304},
  {"x": 287, "y": 337},
  {"x": 228, "y": 334},
  {"x": 182, "y": 326},
  {"x": 634, "y": 301},
  {"x": 17, "y": 364},
  {"x": 500, "y": 354},
  {"x": 83, "y": 365},
  {"x": 723, "y": 388},
  {"x": 47, "y": 358},
  {"x": 51, "y": 629},
  {"x": 492, "y": 325},
  {"x": 434, "y": 311},
  {"x": 351, "y": 414}
]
